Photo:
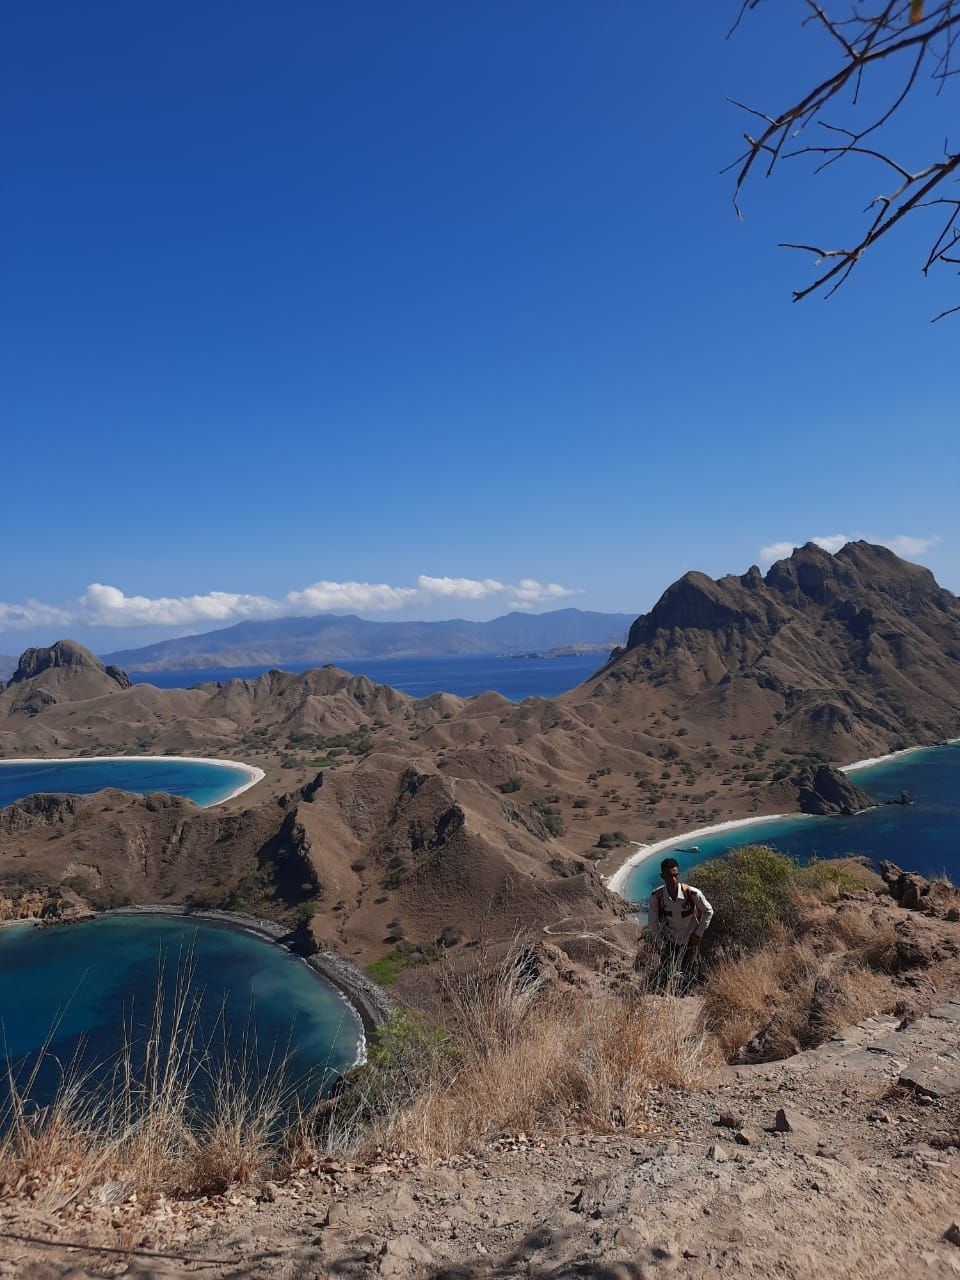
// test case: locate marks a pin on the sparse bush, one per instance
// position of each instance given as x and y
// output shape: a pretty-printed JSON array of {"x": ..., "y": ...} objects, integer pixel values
[
  {"x": 612, "y": 840},
  {"x": 405, "y": 1059},
  {"x": 550, "y": 816},
  {"x": 509, "y": 786},
  {"x": 797, "y": 964},
  {"x": 405, "y": 955},
  {"x": 752, "y": 889}
]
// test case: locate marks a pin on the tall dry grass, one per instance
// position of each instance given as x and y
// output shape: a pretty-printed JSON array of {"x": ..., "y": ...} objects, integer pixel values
[
  {"x": 518, "y": 1058},
  {"x": 175, "y": 1114},
  {"x": 806, "y": 982},
  {"x": 173, "y": 1117}
]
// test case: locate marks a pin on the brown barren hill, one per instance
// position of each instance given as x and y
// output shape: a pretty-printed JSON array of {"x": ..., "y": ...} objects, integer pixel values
[
  {"x": 850, "y": 652},
  {"x": 402, "y": 828}
]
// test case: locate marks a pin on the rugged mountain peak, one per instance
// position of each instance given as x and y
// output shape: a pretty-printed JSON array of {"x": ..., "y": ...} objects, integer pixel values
[
  {"x": 697, "y": 602},
  {"x": 861, "y": 576},
  {"x": 842, "y": 651},
  {"x": 68, "y": 657},
  {"x": 810, "y": 573}
]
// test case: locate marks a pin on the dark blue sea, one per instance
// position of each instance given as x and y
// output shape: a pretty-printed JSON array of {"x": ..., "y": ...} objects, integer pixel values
[
  {"x": 923, "y": 837},
  {"x": 515, "y": 678},
  {"x": 75, "y": 988},
  {"x": 203, "y": 781}
]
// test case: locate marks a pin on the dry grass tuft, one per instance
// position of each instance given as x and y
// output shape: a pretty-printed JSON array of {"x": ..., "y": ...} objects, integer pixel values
[
  {"x": 519, "y": 1059},
  {"x": 805, "y": 983},
  {"x": 171, "y": 1117}
]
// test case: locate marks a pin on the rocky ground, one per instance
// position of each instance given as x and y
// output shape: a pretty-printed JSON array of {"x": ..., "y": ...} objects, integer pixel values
[{"x": 841, "y": 1161}]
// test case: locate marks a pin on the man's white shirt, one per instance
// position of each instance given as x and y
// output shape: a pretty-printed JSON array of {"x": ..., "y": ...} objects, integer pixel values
[{"x": 674, "y": 920}]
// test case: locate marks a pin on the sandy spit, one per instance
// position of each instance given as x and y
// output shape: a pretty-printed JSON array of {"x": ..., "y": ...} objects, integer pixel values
[{"x": 617, "y": 880}]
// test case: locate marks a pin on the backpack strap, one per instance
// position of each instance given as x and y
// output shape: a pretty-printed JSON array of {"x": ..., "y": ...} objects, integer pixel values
[{"x": 691, "y": 900}]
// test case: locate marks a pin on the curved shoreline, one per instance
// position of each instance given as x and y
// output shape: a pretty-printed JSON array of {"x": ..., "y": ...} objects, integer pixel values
[
  {"x": 368, "y": 1003},
  {"x": 254, "y": 773},
  {"x": 616, "y": 881}
]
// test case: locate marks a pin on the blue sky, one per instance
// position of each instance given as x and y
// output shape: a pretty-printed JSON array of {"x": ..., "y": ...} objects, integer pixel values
[{"x": 441, "y": 307}]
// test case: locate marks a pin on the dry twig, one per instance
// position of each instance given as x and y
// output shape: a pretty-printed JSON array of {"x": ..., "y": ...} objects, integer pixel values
[{"x": 904, "y": 41}]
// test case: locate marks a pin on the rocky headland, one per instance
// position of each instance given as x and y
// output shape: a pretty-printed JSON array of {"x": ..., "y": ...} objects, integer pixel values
[{"x": 397, "y": 831}]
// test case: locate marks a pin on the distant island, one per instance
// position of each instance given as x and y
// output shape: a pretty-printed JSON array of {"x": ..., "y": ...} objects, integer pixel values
[{"x": 333, "y": 637}]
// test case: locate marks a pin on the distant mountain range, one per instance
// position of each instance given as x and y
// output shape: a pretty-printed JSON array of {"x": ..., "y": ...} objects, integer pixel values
[
  {"x": 8, "y": 665},
  {"x": 332, "y": 638}
]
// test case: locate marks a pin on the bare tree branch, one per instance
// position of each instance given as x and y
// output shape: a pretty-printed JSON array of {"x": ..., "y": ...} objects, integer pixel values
[{"x": 921, "y": 35}]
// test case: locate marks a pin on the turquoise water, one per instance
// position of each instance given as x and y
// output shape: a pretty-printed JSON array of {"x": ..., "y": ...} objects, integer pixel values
[
  {"x": 203, "y": 781},
  {"x": 79, "y": 984},
  {"x": 923, "y": 837}
]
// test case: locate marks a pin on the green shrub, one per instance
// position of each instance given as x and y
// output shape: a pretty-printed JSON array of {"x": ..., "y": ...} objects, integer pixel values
[
  {"x": 612, "y": 840},
  {"x": 401, "y": 1060},
  {"x": 508, "y": 787},
  {"x": 753, "y": 889},
  {"x": 549, "y": 816},
  {"x": 405, "y": 955},
  {"x": 841, "y": 874},
  {"x": 76, "y": 884},
  {"x": 554, "y": 823}
]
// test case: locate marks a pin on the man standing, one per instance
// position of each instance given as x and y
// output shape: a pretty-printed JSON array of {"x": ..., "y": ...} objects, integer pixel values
[{"x": 679, "y": 914}]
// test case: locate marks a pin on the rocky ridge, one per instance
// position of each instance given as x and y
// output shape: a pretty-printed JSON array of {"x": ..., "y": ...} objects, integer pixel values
[{"x": 415, "y": 825}]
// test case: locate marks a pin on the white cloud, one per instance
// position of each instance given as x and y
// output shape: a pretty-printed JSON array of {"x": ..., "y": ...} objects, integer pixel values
[
  {"x": 523, "y": 594},
  {"x": 832, "y": 542},
  {"x": 460, "y": 588},
  {"x": 15, "y": 617},
  {"x": 102, "y": 605},
  {"x": 776, "y": 551},
  {"x": 528, "y": 591},
  {"x": 903, "y": 544},
  {"x": 331, "y": 597}
]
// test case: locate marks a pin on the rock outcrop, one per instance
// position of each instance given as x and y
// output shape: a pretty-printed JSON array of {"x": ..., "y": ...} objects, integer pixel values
[
  {"x": 68, "y": 656},
  {"x": 829, "y": 791},
  {"x": 65, "y": 671}
]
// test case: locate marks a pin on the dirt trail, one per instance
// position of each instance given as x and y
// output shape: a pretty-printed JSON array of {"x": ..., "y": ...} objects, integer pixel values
[{"x": 865, "y": 1182}]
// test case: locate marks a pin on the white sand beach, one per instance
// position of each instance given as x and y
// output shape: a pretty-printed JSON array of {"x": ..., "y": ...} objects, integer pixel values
[
  {"x": 254, "y": 774},
  {"x": 616, "y": 882}
]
